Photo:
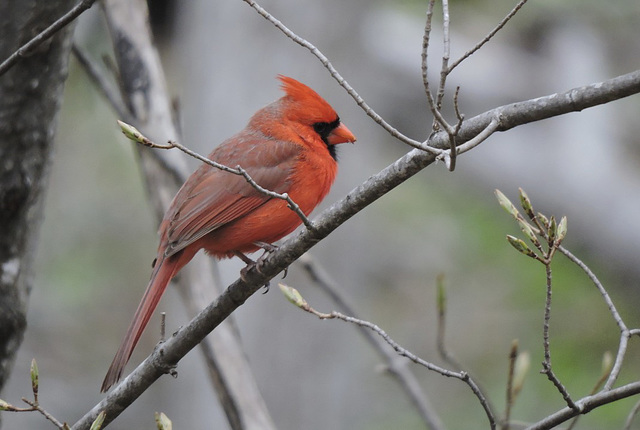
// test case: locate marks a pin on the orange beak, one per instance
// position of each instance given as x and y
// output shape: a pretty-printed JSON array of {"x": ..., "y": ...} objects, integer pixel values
[{"x": 340, "y": 134}]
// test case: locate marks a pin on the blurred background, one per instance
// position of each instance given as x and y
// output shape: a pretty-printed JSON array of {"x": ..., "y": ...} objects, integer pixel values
[{"x": 221, "y": 59}]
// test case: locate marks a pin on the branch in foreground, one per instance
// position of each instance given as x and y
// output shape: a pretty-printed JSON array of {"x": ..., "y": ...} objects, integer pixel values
[
  {"x": 510, "y": 116},
  {"x": 24, "y": 50}
]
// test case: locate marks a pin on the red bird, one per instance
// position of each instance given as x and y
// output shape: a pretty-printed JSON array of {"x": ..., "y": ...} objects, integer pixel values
[{"x": 287, "y": 147}]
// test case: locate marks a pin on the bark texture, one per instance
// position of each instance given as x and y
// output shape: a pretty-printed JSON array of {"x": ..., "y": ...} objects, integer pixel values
[{"x": 30, "y": 98}]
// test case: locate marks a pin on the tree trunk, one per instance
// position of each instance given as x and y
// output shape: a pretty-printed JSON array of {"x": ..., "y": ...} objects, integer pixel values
[{"x": 30, "y": 98}]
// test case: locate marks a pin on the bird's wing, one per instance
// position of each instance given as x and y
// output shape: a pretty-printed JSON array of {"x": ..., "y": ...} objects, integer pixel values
[{"x": 212, "y": 198}]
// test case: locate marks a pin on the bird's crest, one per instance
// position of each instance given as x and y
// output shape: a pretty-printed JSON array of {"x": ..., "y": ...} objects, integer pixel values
[{"x": 315, "y": 108}]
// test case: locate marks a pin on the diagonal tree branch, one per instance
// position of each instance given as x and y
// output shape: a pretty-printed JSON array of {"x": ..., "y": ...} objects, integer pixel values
[{"x": 509, "y": 116}]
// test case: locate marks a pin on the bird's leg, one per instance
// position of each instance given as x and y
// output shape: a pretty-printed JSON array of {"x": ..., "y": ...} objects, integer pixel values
[
  {"x": 266, "y": 246},
  {"x": 241, "y": 256},
  {"x": 249, "y": 265},
  {"x": 268, "y": 249}
]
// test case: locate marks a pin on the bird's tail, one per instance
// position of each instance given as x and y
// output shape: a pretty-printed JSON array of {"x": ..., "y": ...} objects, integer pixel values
[{"x": 163, "y": 271}]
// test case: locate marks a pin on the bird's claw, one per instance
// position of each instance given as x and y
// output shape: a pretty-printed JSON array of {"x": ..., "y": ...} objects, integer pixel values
[
  {"x": 250, "y": 264},
  {"x": 268, "y": 248}
]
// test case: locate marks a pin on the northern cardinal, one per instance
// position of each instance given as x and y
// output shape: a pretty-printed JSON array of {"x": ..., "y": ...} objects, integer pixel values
[{"x": 287, "y": 147}]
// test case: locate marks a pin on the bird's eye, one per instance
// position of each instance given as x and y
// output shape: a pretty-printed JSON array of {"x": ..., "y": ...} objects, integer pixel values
[
  {"x": 325, "y": 128},
  {"x": 322, "y": 128}
]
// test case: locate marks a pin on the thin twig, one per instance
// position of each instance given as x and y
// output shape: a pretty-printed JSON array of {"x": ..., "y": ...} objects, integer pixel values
[
  {"x": 435, "y": 105},
  {"x": 546, "y": 364},
  {"x": 491, "y": 128},
  {"x": 133, "y": 134},
  {"x": 26, "y": 49},
  {"x": 36, "y": 407},
  {"x": 547, "y": 318},
  {"x": 341, "y": 81},
  {"x": 454, "y": 150},
  {"x": 426, "y": 37},
  {"x": 444, "y": 73},
  {"x": 463, "y": 376},
  {"x": 546, "y": 369},
  {"x": 402, "y": 374},
  {"x": 488, "y": 36},
  {"x": 456, "y": 108},
  {"x": 446, "y": 44},
  {"x": 439, "y": 120}
]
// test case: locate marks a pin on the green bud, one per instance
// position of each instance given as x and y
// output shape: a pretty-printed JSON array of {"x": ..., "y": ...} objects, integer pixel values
[
  {"x": 34, "y": 377},
  {"x": 520, "y": 246},
  {"x": 562, "y": 230},
  {"x": 607, "y": 363},
  {"x": 162, "y": 421},
  {"x": 526, "y": 204},
  {"x": 506, "y": 204},
  {"x": 527, "y": 229},
  {"x": 553, "y": 229},
  {"x": 130, "y": 131},
  {"x": 543, "y": 219},
  {"x": 97, "y": 423},
  {"x": 521, "y": 368},
  {"x": 293, "y": 296},
  {"x": 4, "y": 406}
]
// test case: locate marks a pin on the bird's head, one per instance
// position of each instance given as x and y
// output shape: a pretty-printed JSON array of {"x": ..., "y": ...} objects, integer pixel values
[{"x": 303, "y": 105}]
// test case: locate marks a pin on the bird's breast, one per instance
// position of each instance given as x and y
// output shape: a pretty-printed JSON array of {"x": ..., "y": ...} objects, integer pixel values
[{"x": 309, "y": 182}]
